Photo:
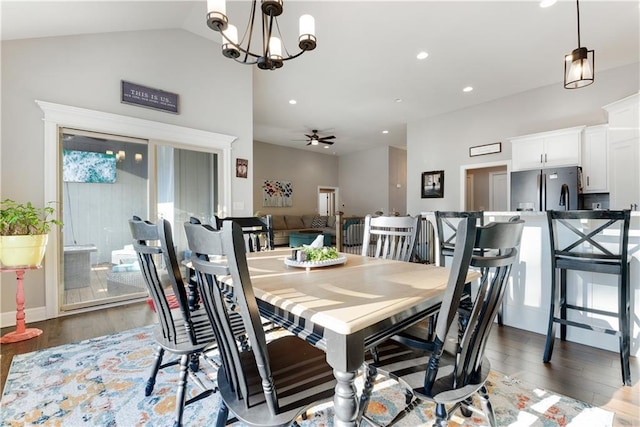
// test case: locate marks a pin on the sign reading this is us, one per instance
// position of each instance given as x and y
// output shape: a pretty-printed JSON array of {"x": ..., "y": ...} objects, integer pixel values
[{"x": 143, "y": 96}]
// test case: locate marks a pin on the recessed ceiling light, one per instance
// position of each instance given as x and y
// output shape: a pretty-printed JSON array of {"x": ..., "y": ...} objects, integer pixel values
[
  {"x": 293, "y": 102},
  {"x": 326, "y": 146},
  {"x": 385, "y": 131},
  {"x": 547, "y": 3},
  {"x": 398, "y": 100},
  {"x": 467, "y": 89},
  {"x": 422, "y": 55}
]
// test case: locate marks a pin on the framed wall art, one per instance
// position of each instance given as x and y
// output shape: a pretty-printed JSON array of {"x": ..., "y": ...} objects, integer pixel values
[
  {"x": 432, "y": 185},
  {"x": 242, "y": 167}
]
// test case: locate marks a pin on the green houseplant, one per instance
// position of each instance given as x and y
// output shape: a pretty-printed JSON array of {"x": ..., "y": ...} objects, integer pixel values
[{"x": 24, "y": 231}]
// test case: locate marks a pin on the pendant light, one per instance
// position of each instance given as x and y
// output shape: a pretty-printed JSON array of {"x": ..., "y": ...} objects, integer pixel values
[{"x": 579, "y": 65}]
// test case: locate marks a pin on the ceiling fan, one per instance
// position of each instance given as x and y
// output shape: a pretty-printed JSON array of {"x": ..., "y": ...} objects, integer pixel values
[{"x": 315, "y": 139}]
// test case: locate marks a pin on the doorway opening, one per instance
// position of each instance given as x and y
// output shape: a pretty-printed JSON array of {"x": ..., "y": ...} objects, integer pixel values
[
  {"x": 327, "y": 197},
  {"x": 485, "y": 187}
]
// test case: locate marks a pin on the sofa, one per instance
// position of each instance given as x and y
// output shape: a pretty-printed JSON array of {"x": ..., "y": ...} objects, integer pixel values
[{"x": 284, "y": 225}]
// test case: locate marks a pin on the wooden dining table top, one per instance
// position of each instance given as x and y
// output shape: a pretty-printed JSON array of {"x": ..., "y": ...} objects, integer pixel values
[{"x": 349, "y": 297}]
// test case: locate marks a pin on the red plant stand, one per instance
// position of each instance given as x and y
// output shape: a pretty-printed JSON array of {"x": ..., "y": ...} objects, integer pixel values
[{"x": 22, "y": 332}]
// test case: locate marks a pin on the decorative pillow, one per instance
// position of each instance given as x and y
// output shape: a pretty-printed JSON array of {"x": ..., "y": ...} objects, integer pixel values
[
  {"x": 278, "y": 222},
  {"x": 331, "y": 221},
  {"x": 319, "y": 222},
  {"x": 294, "y": 222},
  {"x": 307, "y": 220}
]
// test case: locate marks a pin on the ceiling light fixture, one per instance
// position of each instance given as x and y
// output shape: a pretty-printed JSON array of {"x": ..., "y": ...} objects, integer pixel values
[
  {"x": 385, "y": 131},
  {"x": 273, "y": 52},
  {"x": 467, "y": 89},
  {"x": 293, "y": 102},
  {"x": 579, "y": 65},
  {"x": 422, "y": 55},
  {"x": 547, "y": 3}
]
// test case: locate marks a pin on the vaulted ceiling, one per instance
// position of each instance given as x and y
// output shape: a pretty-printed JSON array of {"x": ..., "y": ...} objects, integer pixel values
[{"x": 364, "y": 77}]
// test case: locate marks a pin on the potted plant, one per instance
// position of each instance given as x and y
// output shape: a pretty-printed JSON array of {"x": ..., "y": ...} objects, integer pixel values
[{"x": 24, "y": 231}]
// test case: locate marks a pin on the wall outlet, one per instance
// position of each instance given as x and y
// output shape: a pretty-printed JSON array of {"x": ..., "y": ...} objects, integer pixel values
[{"x": 596, "y": 205}]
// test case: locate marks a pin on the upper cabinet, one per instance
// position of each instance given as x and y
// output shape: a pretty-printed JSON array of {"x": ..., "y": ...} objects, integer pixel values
[
  {"x": 624, "y": 118},
  {"x": 594, "y": 160},
  {"x": 547, "y": 149},
  {"x": 624, "y": 153}
]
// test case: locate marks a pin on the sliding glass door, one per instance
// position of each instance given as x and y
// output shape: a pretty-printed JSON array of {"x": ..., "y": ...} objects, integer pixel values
[{"x": 106, "y": 180}]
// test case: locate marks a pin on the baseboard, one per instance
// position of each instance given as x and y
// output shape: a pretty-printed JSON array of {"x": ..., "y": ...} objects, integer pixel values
[{"x": 31, "y": 315}]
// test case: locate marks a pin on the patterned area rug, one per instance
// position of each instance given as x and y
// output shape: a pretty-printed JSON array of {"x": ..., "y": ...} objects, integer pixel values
[{"x": 101, "y": 382}]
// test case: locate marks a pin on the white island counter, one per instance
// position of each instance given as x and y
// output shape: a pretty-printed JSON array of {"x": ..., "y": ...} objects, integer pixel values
[{"x": 526, "y": 301}]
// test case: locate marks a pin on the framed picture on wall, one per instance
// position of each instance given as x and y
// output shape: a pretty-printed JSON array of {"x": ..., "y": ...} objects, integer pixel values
[
  {"x": 242, "y": 167},
  {"x": 432, "y": 184}
]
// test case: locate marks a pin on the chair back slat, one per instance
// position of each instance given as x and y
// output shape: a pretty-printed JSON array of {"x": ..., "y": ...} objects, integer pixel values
[
  {"x": 150, "y": 241},
  {"x": 394, "y": 237},
  {"x": 207, "y": 245}
]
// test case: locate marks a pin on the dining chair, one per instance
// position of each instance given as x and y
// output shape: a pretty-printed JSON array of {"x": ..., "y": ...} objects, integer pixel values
[
  {"x": 390, "y": 237},
  {"x": 255, "y": 230},
  {"x": 185, "y": 331},
  {"x": 591, "y": 241},
  {"x": 272, "y": 383},
  {"x": 456, "y": 368},
  {"x": 447, "y": 226}
]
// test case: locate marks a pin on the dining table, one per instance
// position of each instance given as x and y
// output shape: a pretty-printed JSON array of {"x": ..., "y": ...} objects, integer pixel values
[{"x": 346, "y": 307}]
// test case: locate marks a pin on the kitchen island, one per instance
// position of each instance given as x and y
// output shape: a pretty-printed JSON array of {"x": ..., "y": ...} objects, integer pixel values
[{"x": 527, "y": 299}]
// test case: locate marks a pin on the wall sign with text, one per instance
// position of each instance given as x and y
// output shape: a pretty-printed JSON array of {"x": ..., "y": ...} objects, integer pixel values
[
  {"x": 135, "y": 94},
  {"x": 481, "y": 150}
]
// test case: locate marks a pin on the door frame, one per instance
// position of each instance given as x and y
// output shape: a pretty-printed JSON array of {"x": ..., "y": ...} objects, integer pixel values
[
  {"x": 336, "y": 193},
  {"x": 57, "y": 116},
  {"x": 463, "y": 178}
]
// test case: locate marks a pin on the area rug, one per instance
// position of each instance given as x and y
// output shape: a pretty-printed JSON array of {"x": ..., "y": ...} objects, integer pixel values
[{"x": 100, "y": 382}]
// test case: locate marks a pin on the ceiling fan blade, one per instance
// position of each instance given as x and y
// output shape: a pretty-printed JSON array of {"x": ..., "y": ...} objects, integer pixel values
[
  {"x": 327, "y": 142},
  {"x": 327, "y": 137},
  {"x": 309, "y": 136},
  {"x": 309, "y": 143}
]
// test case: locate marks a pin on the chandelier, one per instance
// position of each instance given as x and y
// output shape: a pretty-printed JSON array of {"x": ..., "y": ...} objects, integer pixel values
[
  {"x": 579, "y": 64},
  {"x": 273, "y": 52}
]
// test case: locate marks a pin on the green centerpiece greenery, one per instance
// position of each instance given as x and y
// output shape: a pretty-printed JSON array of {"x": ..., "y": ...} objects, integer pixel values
[{"x": 321, "y": 254}]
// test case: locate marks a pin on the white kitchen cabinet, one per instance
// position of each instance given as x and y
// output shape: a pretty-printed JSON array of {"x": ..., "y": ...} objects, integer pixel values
[
  {"x": 624, "y": 118},
  {"x": 624, "y": 153},
  {"x": 624, "y": 178},
  {"x": 547, "y": 149},
  {"x": 595, "y": 160}
]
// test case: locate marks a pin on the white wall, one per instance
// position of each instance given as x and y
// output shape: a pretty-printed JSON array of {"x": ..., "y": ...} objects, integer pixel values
[
  {"x": 397, "y": 186},
  {"x": 364, "y": 182},
  {"x": 442, "y": 142},
  {"x": 85, "y": 71},
  {"x": 305, "y": 169}
]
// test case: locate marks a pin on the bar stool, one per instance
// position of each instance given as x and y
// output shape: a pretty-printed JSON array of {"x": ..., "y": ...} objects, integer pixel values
[{"x": 583, "y": 241}]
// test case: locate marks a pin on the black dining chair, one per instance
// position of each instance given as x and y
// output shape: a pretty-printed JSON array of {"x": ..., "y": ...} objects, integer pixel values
[
  {"x": 456, "y": 368},
  {"x": 180, "y": 331},
  {"x": 447, "y": 227},
  {"x": 591, "y": 241},
  {"x": 258, "y": 231},
  {"x": 274, "y": 382}
]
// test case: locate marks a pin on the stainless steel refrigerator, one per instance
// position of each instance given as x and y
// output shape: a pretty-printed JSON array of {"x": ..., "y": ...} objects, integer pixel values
[{"x": 546, "y": 189}]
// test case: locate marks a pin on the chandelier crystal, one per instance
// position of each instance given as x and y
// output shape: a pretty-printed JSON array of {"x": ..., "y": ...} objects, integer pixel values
[{"x": 273, "y": 53}]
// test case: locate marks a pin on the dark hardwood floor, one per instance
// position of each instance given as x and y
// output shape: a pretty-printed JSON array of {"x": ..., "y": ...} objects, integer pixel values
[{"x": 578, "y": 371}]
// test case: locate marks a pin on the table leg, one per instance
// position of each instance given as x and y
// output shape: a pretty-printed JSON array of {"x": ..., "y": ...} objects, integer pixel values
[
  {"x": 345, "y": 400},
  {"x": 22, "y": 332}
]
